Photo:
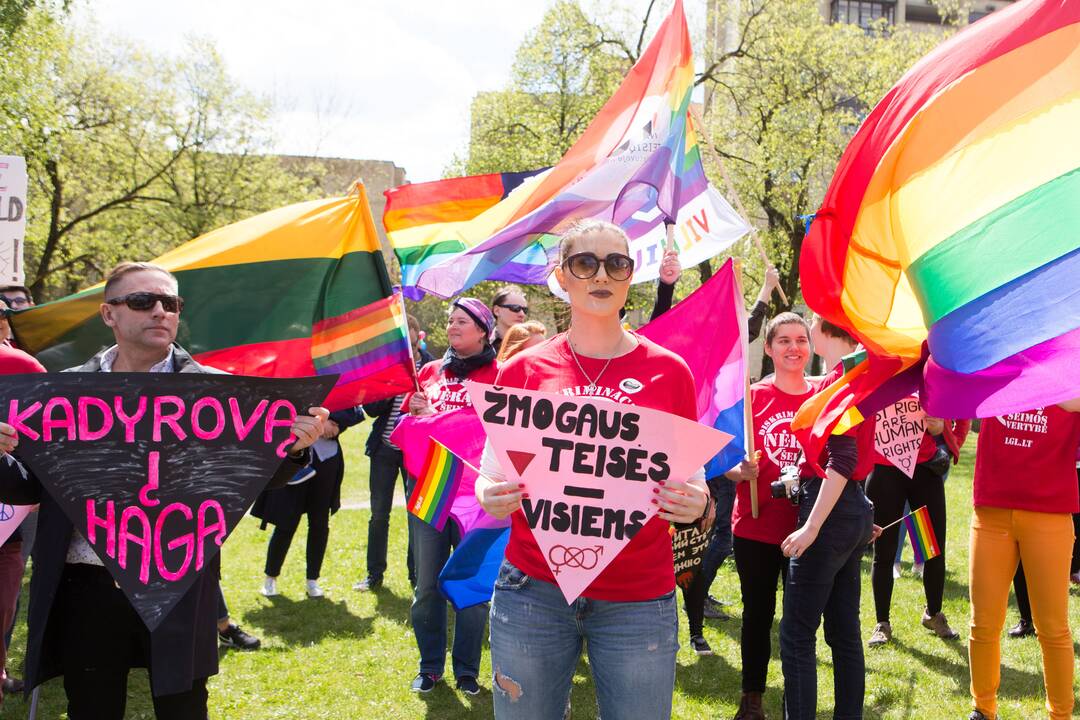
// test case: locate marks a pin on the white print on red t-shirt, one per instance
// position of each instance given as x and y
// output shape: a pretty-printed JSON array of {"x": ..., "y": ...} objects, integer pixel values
[
  {"x": 604, "y": 393},
  {"x": 448, "y": 395},
  {"x": 1023, "y": 422},
  {"x": 777, "y": 441}
]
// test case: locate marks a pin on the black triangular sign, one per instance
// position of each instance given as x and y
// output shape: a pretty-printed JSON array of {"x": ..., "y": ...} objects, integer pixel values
[{"x": 154, "y": 470}]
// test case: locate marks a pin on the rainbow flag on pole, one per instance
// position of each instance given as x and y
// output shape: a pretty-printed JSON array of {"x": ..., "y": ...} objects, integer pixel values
[
  {"x": 923, "y": 540},
  {"x": 298, "y": 291},
  {"x": 637, "y": 164},
  {"x": 436, "y": 487},
  {"x": 424, "y": 221},
  {"x": 946, "y": 243}
]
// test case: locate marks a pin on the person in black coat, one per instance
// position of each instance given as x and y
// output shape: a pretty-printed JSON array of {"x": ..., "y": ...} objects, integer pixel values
[
  {"x": 386, "y": 465},
  {"x": 80, "y": 624},
  {"x": 314, "y": 491}
]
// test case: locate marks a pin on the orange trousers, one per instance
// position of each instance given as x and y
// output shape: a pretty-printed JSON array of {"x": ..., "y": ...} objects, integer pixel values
[{"x": 999, "y": 539}]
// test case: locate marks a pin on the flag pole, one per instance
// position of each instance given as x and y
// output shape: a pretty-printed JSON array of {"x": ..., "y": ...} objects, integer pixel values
[
  {"x": 408, "y": 340},
  {"x": 710, "y": 150},
  {"x": 894, "y": 522},
  {"x": 748, "y": 410}
]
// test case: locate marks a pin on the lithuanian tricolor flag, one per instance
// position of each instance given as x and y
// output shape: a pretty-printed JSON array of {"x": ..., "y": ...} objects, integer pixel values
[{"x": 297, "y": 291}]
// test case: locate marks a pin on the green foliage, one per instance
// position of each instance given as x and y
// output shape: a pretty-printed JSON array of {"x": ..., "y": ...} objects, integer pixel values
[
  {"x": 129, "y": 153},
  {"x": 563, "y": 73},
  {"x": 785, "y": 104}
]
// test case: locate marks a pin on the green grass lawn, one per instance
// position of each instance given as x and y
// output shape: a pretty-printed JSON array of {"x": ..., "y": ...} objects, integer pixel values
[{"x": 352, "y": 655}]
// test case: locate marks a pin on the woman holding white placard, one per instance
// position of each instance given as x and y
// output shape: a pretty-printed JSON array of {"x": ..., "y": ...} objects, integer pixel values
[{"x": 627, "y": 616}]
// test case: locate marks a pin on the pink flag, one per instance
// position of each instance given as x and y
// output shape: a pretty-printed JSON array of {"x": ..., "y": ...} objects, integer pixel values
[
  {"x": 461, "y": 432},
  {"x": 589, "y": 467}
]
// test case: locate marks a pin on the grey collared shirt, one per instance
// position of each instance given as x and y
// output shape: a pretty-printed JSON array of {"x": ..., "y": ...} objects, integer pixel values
[{"x": 79, "y": 551}]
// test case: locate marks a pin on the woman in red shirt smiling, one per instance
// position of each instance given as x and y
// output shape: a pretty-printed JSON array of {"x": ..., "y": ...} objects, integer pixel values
[
  {"x": 627, "y": 616},
  {"x": 758, "y": 557}
]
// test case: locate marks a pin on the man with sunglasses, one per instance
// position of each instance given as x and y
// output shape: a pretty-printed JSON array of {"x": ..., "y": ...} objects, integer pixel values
[
  {"x": 510, "y": 307},
  {"x": 81, "y": 625},
  {"x": 12, "y": 298}
]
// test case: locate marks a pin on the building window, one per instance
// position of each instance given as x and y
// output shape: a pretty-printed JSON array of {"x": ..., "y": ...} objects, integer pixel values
[{"x": 863, "y": 13}]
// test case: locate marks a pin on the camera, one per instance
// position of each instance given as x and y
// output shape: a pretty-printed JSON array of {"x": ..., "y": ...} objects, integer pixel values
[{"x": 788, "y": 485}]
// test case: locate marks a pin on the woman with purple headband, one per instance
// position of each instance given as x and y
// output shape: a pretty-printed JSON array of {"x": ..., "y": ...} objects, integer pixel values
[{"x": 442, "y": 388}]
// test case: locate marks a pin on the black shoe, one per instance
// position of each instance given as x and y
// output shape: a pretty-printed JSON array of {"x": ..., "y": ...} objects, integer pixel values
[
  {"x": 1023, "y": 628},
  {"x": 234, "y": 637},
  {"x": 468, "y": 685},
  {"x": 12, "y": 685},
  {"x": 700, "y": 645},
  {"x": 368, "y": 584},
  {"x": 976, "y": 715},
  {"x": 424, "y": 682},
  {"x": 714, "y": 609}
]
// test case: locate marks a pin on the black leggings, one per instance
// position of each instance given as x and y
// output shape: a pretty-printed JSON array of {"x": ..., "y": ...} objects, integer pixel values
[
  {"x": 760, "y": 566},
  {"x": 319, "y": 497},
  {"x": 888, "y": 488},
  {"x": 694, "y": 601}
]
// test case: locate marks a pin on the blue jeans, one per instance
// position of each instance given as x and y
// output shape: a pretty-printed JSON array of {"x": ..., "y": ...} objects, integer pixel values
[
  {"x": 431, "y": 549},
  {"x": 536, "y": 641},
  {"x": 824, "y": 582}
]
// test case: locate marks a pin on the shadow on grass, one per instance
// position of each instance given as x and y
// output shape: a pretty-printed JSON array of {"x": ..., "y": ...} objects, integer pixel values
[{"x": 306, "y": 622}]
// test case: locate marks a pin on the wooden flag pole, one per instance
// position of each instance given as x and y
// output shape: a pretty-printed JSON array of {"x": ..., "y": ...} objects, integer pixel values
[
  {"x": 748, "y": 411},
  {"x": 710, "y": 150}
]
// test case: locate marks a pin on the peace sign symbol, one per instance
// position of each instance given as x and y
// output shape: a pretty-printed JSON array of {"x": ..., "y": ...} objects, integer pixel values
[{"x": 6, "y": 512}]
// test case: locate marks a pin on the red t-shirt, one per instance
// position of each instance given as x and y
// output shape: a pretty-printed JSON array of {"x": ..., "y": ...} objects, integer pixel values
[
  {"x": 1027, "y": 461},
  {"x": 649, "y": 376},
  {"x": 927, "y": 444},
  {"x": 777, "y": 518},
  {"x": 447, "y": 392},
  {"x": 14, "y": 361}
]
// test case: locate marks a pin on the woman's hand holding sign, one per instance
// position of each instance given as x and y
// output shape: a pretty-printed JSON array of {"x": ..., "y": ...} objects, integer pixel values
[
  {"x": 682, "y": 502},
  {"x": 8, "y": 439},
  {"x": 499, "y": 499}
]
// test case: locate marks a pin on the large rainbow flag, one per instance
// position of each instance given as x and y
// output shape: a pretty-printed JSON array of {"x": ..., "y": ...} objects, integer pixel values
[
  {"x": 637, "y": 165},
  {"x": 297, "y": 291},
  {"x": 947, "y": 242},
  {"x": 426, "y": 223}
]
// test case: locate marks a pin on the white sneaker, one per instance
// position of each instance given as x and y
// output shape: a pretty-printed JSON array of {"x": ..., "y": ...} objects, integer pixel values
[
  {"x": 896, "y": 571},
  {"x": 313, "y": 589},
  {"x": 269, "y": 588}
]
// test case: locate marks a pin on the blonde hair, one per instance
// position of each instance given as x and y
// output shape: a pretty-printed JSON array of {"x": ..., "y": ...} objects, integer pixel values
[
  {"x": 516, "y": 337},
  {"x": 584, "y": 227},
  {"x": 126, "y": 268}
]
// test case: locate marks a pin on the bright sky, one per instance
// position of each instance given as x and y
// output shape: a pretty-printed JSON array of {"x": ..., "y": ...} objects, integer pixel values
[{"x": 374, "y": 79}]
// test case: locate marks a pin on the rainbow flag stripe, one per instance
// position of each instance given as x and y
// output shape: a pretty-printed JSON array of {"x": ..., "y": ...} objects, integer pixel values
[
  {"x": 636, "y": 164},
  {"x": 297, "y": 291},
  {"x": 426, "y": 222},
  {"x": 437, "y": 486},
  {"x": 946, "y": 240},
  {"x": 923, "y": 540}
]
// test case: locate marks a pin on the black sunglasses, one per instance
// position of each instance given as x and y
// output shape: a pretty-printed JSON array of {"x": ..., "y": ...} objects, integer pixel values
[
  {"x": 585, "y": 265},
  {"x": 514, "y": 308},
  {"x": 143, "y": 301}
]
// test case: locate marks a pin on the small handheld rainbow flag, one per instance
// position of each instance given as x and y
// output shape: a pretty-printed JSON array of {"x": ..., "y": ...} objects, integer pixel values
[
  {"x": 436, "y": 487},
  {"x": 921, "y": 532}
]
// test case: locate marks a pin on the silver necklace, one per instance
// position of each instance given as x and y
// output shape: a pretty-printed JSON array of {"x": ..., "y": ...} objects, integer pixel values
[{"x": 592, "y": 381}]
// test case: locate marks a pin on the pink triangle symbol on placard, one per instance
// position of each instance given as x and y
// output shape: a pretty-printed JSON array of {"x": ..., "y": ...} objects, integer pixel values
[{"x": 582, "y": 510}]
